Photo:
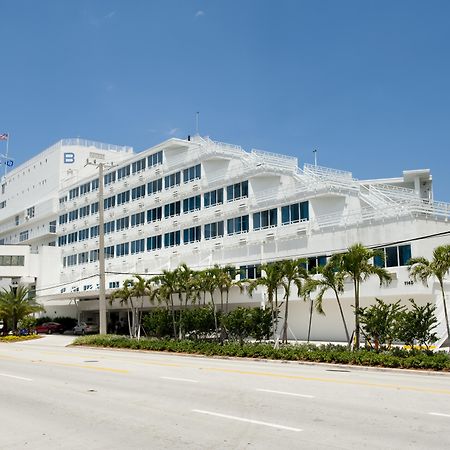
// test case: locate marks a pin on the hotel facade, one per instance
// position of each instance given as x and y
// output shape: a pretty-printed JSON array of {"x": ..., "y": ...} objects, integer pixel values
[{"x": 202, "y": 202}]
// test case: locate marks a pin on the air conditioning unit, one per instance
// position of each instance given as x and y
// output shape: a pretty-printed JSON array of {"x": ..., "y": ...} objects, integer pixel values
[
  {"x": 157, "y": 171},
  {"x": 27, "y": 217},
  {"x": 270, "y": 236},
  {"x": 157, "y": 199},
  {"x": 141, "y": 178},
  {"x": 195, "y": 187},
  {"x": 218, "y": 212},
  {"x": 242, "y": 241},
  {"x": 175, "y": 194},
  {"x": 141, "y": 205},
  {"x": 195, "y": 219}
]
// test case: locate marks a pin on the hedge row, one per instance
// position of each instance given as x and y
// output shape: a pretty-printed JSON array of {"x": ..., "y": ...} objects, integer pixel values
[
  {"x": 13, "y": 338},
  {"x": 304, "y": 352}
]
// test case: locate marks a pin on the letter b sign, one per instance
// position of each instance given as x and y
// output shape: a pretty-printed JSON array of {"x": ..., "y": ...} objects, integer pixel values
[{"x": 69, "y": 158}]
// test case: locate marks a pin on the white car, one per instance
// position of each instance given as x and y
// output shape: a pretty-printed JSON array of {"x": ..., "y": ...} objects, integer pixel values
[{"x": 85, "y": 328}]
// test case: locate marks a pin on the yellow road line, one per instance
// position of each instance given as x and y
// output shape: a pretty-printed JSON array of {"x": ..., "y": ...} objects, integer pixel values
[{"x": 331, "y": 380}]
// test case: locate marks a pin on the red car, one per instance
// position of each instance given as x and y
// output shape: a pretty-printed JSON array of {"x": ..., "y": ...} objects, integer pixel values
[{"x": 50, "y": 327}]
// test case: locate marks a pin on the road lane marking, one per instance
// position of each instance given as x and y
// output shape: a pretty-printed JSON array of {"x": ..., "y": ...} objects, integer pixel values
[
  {"x": 293, "y": 394},
  {"x": 439, "y": 414},
  {"x": 16, "y": 377},
  {"x": 243, "y": 419},
  {"x": 331, "y": 380},
  {"x": 187, "y": 380}
]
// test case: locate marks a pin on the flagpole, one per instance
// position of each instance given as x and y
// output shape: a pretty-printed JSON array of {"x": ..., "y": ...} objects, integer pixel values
[{"x": 7, "y": 149}]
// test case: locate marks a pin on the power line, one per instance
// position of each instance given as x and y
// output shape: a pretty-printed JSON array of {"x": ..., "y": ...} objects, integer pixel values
[{"x": 304, "y": 255}]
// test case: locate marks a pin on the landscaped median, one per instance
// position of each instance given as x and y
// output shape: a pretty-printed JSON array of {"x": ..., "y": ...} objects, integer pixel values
[
  {"x": 395, "y": 358},
  {"x": 13, "y": 338}
]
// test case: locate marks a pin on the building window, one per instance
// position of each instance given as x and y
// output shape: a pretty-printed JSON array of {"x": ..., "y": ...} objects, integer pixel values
[
  {"x": 3, "y": 204},
  {"x": 23, "y": 236},
  {"x": 154, "y": 214},
  {"x": 94, "y": 208},
  {"x": 110, "y": 178},
  {"x": 250, "y": 272},
  {"x": 313, "y": 262},
  {"x": 72, "y": 237},
  {"x": 237, "y": 191},
  {"x": 114, "y": 285},
  {"x": 193, "y": 234},
  {"x": 12, "y": 260},
  {"x": 83, "y": 234},
  {"x": 154, "y": 243},
  {"x": 83, "y": 258},
  {"x": 30, "y": 212},
  {"x": 155, "y": 159},
  {"x": 122, "y": 223},
  {"x": 63, "y": 200},
  {"x": 138, "y": 166},
  {"x": 85, "y": 188},
  {"x": 94, "y": 184},
  {"x": 63, "y": 219},
  {"x": 109, "y": 252},
  {"x": 73, "y": 193},
  {"x": 109, "y": 227},
  {"x": 138, "y": 192},
  {"x": 123, "y": 197},
  {"x": 93, "y": 255},
  {"x": 123, "y": 172},
  {"x": 109, "y": 202},
  {"x": 172, "y": 209},
  {"x": 137, "y": 246},
  {"x": 62, "y": 240},
  {"x": 154, "y": 186},
  {"x": 84, "y": 211},
  {"x": 394, "y": 256},
  {"x": 213, "y": 230},
  {"x": 137, "y": 219},
  {"x": 297, "y": 212},
  {"x": 237, "y": 225},
  {"x": 191, "y": 204},
  {"x": 213, "y": 198},
  {"x": 94, "y": 231},
  {"x": 172, "y": 239},
  {"x": 172, "y": 180},
  {"x": 52, "y": 226},
  {"x": 73, "y": 215},
  {"x": 265, "y": 219},
  {"x": 122, "y": 249},
  {"x": 72, "y": 260},
  {"x": 17, "y": 220},
  {"x": 192, "y": 173}
]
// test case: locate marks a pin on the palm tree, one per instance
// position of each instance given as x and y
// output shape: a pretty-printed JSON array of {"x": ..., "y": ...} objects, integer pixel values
[
  {"x": 225, "y": 281},
  {"x": 168, "y": 287},
  {"x": 331, "y": 277},
  {"x": 356, "y": 263},
  {"x": 271, "y": 278},
  {"x": 293, "y": 273},
  {"x": 124, "y": 295},
  {"x": 422, "y": 269},
  {"x": 16, "y": 304}
]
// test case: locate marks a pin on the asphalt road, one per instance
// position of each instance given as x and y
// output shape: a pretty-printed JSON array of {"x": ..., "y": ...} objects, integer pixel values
[{"x": 57, "y": 397}]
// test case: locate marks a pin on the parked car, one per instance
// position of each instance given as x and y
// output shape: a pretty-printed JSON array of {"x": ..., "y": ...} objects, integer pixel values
[
  {"x": 50, "y": 327},
  {"x": 85, "y": 328}
]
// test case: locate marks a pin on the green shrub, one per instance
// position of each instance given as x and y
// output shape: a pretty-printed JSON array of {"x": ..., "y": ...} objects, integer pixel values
[{"x": 305, "y": 352}]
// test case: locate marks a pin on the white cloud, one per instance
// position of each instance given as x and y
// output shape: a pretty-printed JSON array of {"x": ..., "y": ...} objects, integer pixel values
[
  {"x": 110, "y": 15},
  {"x": 199, "y": 13},
  {"x": 172, "y": 132}
]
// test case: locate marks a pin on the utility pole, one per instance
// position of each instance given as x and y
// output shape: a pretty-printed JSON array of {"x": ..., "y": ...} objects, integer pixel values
[
  {"x": 101, "y": 242},
  {"x": 315, "y": 157}
]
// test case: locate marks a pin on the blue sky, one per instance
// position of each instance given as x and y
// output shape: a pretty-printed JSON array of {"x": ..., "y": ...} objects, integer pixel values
[{"x": 365, "y": 82}]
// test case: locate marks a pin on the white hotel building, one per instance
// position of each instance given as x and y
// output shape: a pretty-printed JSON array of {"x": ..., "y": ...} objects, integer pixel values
[{"x": 203, "y": 203}]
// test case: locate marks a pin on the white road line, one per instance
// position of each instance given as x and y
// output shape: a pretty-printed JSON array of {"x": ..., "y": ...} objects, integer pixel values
[
  {"x": 14, "y": 376},
  {"x": 286, "y": 393},
  {"x": 242, "y": 419},
  {"x": 439, "y": 414},
  {"x": 187, "y": 380}
]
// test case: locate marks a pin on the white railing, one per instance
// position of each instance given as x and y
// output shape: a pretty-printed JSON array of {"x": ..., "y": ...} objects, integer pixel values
[
  {"x": 99, "y": 145},
  {"x": 261, "y": 156},
  {"x": 327, "y": 172}
]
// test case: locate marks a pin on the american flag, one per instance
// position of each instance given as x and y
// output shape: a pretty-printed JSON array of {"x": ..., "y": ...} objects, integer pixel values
[{"x": 4, "y": 136}]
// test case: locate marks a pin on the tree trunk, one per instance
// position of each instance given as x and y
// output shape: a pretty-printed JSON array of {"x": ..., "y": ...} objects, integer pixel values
[
  {"x": 285, "y": 326},
  {"x": 173, "y": 317},
  {"x": 357, "y": 334},
  {"x": 445, "y": 309},
  {"x": 343, "y": 318}
]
